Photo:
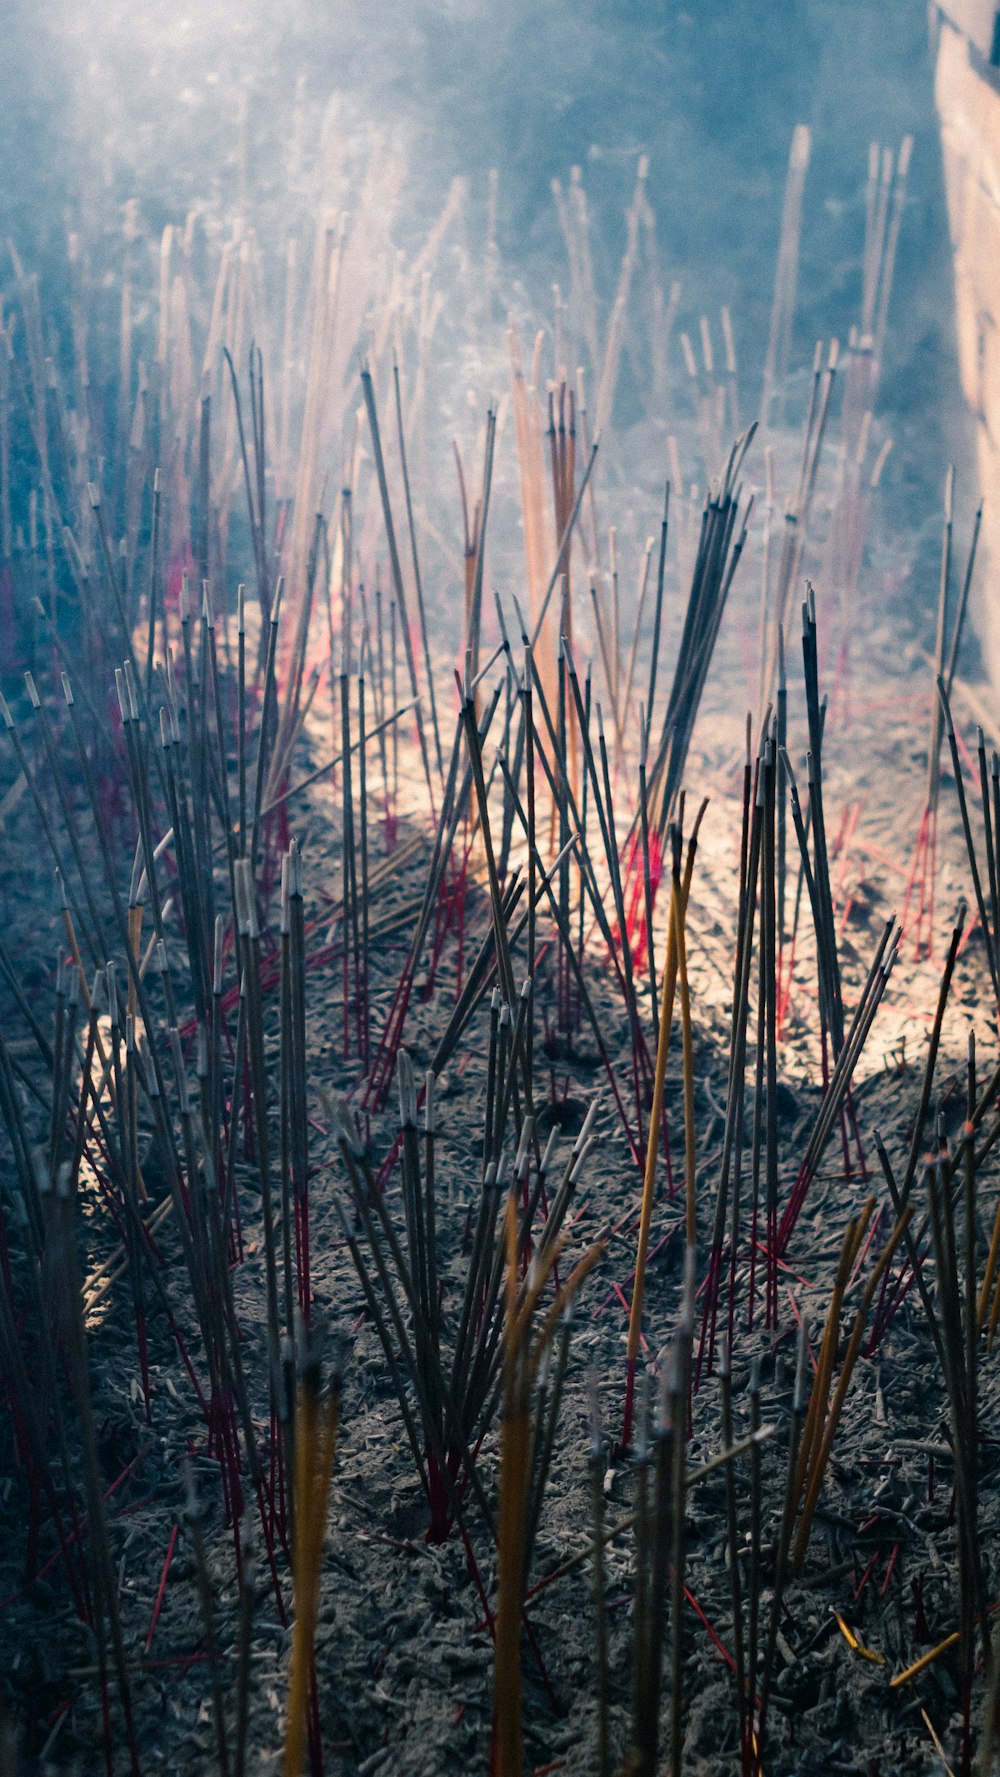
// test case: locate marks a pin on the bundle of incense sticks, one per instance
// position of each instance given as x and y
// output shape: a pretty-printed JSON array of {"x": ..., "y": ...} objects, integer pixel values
[
  {"x": 458, "y": 1390},
  {"x": 527, "y": 1335},
  {"x": 720, "y": 546}
]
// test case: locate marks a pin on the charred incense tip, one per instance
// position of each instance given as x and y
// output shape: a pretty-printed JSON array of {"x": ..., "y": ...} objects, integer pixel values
[
  {"x": 133, "y": 702},
  {"x": 343, "y": 1126},
  {"x": 587, "y": 1126},
  {"x": 789, "y": 773},
  {"x": 960, "y": 913},
  {"x": 505, "y": 643},
  {"x": 407, "y": 1090},
  {"x": 246, "y": 911},
  {"x": 546, "y": 1160},
  {"x": 220, "y": 929},
  {"x": 342, "y": 1216},
  {"x": 580, "y": 1158},
  {"x": 285, "y": 922}
]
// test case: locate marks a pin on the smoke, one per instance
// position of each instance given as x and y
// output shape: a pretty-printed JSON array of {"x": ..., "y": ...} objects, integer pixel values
[
  {"x": 215, "y": 105},
  {"x": 272, "y": 112}
]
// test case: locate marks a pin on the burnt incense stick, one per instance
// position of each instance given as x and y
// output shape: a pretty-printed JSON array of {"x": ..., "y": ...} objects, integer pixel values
[
  {"x": 192, "y": 1522},
  {"x": 719, "y": 550},
  {"x": 397, "y": 572},
  {"x": 654, "y": 657},
  {"x": 317, "y": 1424},
  {"x": 411, "y": 527},
  {"x": 679, "y": 1397},
  {"x": 680, "y": 892},
  {"x": 782, "y": 1548}
]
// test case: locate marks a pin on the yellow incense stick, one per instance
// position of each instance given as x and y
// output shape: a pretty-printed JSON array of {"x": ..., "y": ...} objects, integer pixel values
[
  {"x": 856, "y": 1646},
  {"x": 820, "y": 1390},
  {"x": 305, "y": 1442},
  {"x": 829, "y": 1430},
  {"x": 924, "y": 1661},
  {"x": 315, "y": 1447}
]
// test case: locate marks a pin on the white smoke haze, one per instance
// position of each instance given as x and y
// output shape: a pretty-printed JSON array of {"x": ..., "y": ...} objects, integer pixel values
[{"x": 240, "y": 129}]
